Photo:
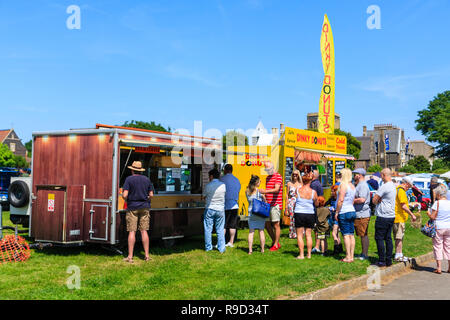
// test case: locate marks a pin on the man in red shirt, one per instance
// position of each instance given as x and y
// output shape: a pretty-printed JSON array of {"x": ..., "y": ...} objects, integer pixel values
[{"x": 274, "y": 196}]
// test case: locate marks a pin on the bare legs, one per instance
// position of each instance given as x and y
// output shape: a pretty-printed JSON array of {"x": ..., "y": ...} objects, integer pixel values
[
  {"x": 365, "y": 245},
  {"x": 273, "y": 228},
  {"x": 349, "y": 242},
  {"x": 301, "y": 244},
  {"x": 132, "y": 241},
  {"x": 262, "y": 240}
]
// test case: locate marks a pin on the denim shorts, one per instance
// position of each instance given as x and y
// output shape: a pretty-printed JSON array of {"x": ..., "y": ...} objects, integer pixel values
[{"x": 347, "y": 223}]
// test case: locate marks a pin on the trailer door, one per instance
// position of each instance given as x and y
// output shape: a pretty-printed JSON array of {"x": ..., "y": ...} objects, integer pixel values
[{"x": 48, "y": 218}]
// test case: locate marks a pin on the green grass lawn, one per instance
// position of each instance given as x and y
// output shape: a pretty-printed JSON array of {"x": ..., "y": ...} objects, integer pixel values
[{"x": 186, "y": 271}]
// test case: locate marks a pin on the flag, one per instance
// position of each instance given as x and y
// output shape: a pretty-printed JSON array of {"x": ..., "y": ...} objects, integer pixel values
[{"x": 326, "y": 103}]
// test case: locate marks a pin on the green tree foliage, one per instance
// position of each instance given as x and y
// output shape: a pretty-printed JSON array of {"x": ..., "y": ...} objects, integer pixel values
[
  {"x": 408, "y": 169},
  {"x": 374, "y": 168},
  {"x": 233, "y": 138},
  {"x": 433, "y": 123},
  {"x": 21, "y": 162},
  {"x": 420, "y": 163},
  {"x": 146, "y": 125},
  {"x": 7, "y": 158},
  {"x": 440, "y": 165},
  {"x": 29, "y": 147}
]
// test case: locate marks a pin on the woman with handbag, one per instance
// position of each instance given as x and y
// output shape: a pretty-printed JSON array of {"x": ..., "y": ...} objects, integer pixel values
[
  {"x": 304, "y": 215},
  {"x": 255, "y": 222},
  {"x": 346, "y": 213},
  {"x": 291, "y": 188},
  {"x": 440, "y": 213}
]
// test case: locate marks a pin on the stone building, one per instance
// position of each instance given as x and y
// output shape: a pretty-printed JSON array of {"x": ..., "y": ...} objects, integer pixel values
[
  {"x": 312, "y": 121},
  {"x": 10, "y": 138},
  {"x": 421, "y": 148},
  {"x": 384, "y": 145}
]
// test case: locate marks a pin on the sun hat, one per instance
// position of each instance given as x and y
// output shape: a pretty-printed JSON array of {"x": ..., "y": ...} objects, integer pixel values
[
  {"x": 407, "y": 180},
  {"x": 136, "y": 166}
]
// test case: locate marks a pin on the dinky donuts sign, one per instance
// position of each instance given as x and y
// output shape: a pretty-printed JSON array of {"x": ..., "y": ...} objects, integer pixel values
[{"x": 326, "y": 103}]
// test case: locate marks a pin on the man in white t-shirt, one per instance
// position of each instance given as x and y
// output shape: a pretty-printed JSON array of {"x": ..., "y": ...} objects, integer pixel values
[
  {"x": 214, "y": 193},
  {"x": 384, "y": 199}
]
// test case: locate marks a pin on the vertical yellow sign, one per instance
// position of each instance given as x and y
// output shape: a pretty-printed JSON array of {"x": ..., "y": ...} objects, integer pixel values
[{"x": 326, "y": 103}]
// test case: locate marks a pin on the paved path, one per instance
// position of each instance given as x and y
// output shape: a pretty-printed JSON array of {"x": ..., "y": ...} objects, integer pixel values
[{"x": 421, "y": 284}]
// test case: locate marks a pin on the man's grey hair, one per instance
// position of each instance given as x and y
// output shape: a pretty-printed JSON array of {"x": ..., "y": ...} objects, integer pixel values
[
  {"x": 434, "y": 179},
  {"x": 441, "y": 190}
]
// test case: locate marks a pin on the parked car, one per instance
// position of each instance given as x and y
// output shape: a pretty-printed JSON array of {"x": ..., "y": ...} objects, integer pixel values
[
  {"x": 5, "y": 180},
  {"x": 422, "y": 182}
]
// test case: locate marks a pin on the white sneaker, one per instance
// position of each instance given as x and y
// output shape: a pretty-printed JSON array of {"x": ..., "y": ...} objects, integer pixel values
[
  {"x": 215, "y": 246},
  {"x": 229, "y": 245}
]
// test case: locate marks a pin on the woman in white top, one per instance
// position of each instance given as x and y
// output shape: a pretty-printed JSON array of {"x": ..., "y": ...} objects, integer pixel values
[
  {"x": 292, "y": 187},
  {"x": 345, "y": 213},
  {"x": 440, "y": 212}
]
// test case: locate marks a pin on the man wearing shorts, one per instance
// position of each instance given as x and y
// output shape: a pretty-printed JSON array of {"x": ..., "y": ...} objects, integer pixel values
[
  {"x": 401, "y": 216},
  {"x": 274, "y": 196},
  {"x": 233, "y": 187},
  {"x": 137, "y": 191},
  {"x": 361, "y": 204}
]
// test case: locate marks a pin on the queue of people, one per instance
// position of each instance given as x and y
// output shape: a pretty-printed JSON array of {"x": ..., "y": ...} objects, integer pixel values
[{"x": 347, "y": 211}]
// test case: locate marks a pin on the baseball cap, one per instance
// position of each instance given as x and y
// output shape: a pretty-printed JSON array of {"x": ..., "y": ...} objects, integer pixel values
[{"x": 360, "y": 171}]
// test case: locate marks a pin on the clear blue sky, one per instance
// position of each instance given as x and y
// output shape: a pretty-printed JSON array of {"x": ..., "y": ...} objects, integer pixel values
[{"x": 228, "y": 63}]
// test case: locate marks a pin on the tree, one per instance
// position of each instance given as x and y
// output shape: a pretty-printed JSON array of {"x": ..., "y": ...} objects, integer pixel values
[
  {"x": 420, "y": 163},
  {"x": 29, "y": 147},
  {"x": 408, "y": 169},
  {"x": 20, "y": 162},
  {"x": 6, "y": 156},
  {"x": 434, "y": 124},
  {"x": 233, "y": 138},
  {"x": 146, "y": 125},
  {"x": 374, "y": 168},
  {"x": 440, "y": 165}
]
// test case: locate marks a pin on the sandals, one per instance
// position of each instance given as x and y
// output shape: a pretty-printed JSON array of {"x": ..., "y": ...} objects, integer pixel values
[
  {"x": 129, "y": 260},
  {"x": 147, "y": 258},
  {"x": 437, "y": 271}
]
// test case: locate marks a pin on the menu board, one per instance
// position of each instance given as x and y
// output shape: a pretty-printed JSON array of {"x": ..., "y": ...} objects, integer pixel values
[
  {"x": 288, "y": 169},
  {"x": 339, "y": 165},
  {"x": 330, "y": 172}
]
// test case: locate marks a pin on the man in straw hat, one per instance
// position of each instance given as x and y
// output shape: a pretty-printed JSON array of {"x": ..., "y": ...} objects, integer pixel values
[{"x": 137, "y": 191}]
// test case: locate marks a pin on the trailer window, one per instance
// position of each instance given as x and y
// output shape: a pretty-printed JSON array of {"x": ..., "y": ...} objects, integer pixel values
[{"x": 166, "y": 177}]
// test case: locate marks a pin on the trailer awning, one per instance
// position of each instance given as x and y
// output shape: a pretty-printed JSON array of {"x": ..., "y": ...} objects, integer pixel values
[
  {"x": 339, "y": 156},
  {"x": 142, "y": 143},
  {"x": 328, "y": 154}
]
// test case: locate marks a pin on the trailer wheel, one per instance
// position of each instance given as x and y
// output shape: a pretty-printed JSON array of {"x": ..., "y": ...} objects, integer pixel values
[
  {"x": 168, "y": 243},
  {"x": 18, "y": 194}
]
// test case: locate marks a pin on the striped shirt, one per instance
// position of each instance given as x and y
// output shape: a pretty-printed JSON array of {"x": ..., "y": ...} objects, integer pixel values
[{"x": 274, "y": 198}]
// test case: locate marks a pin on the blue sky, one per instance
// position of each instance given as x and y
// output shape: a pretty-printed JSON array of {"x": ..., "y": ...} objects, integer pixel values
[{"x": 228, "y": 63}]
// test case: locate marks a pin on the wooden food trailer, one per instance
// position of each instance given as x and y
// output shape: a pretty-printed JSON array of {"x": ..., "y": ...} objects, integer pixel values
[
  {"x": 78, "y": 175},
  {"x": 301, "y": 149}
]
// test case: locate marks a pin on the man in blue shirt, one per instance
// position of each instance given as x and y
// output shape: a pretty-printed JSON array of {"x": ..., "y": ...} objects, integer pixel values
[
  {"x": 231, "y": 202},
  {"x": 137, "y": 191},
  {"x": 316, "y": 185}
]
